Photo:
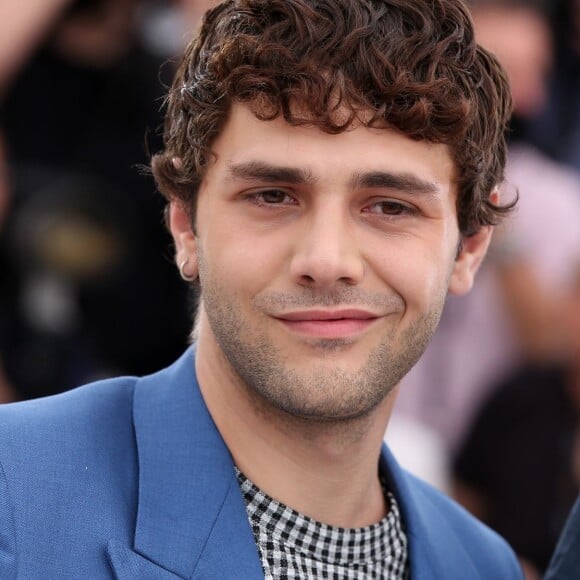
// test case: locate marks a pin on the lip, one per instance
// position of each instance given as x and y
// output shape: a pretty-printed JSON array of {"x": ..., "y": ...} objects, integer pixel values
[
  {"x": 325, "y": 315},
  {"x": 328, "y": 323}
]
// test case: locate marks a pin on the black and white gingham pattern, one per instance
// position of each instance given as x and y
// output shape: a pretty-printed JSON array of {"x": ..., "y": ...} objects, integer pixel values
[{"x": 292, "y": 545}]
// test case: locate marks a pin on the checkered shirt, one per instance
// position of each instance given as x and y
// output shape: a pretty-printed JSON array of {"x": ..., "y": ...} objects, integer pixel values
[{"x": 292, "y": 545}]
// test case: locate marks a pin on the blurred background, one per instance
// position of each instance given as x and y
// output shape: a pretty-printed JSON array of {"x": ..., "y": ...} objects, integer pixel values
[{"x": 88, "y": 287}]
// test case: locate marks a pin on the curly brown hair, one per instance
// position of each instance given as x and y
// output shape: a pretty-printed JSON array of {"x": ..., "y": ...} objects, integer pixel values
[{"x": 409, "y": 64}]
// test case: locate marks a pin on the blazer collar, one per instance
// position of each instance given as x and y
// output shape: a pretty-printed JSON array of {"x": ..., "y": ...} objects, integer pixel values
[
  {"x": 191, "y": 518},
  {"x": 435, "y": 549}
]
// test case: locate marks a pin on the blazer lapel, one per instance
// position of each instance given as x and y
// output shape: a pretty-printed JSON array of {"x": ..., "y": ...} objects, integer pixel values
[
  {"x": 128, "y": 565},
  {"x": 191, "y": 518},
  {"x": 435, "y": 551}
]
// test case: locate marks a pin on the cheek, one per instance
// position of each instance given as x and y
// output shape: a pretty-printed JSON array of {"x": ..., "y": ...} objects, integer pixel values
[
  {"x": 239, "y": 264},
  {"x": 417, "y": 273}
]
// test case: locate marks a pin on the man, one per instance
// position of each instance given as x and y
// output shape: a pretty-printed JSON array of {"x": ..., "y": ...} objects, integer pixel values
[{"x": 331, "y": 169}]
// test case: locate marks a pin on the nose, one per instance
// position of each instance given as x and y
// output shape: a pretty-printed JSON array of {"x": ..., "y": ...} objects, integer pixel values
[{"x": 327, "y": 252}]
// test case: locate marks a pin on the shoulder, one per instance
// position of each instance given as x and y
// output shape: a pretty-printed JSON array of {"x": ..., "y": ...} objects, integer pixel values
[
  {"x": 87, "y": 418},
  {"x": 78, "y": 408},
  {"x": 68, "y": 468},
  {"x": 457, "y": 539}
]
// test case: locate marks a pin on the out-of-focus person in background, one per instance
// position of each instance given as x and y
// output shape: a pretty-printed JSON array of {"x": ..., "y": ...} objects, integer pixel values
[
  {"x": 165, "y": 25},
  {"x": 23, "y": 26},
  {"x": 515, "y": 314},
  {"x": 85, "y": 252},
  {"x": 518, "y": 469},
  {"x": 556, "y": 128}
]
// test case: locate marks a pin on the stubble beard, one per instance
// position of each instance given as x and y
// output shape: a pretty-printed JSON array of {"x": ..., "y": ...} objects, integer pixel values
[{"x": 326, "y": 393}]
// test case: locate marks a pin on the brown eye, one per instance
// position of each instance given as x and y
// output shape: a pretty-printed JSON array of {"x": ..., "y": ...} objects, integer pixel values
[
  {"x": 389, "y": 207},
  {"x": 392, "y": 208},
  {"x": 273, "y": 196}
]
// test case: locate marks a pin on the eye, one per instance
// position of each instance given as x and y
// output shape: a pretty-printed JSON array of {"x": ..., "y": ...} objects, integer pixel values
[
  {"x": 271, "y": 197},
  {"x": 390, "y": 207}
]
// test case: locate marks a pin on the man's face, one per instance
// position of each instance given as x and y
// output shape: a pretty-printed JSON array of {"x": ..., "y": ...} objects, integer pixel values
[{"x": 324, "y": 260}]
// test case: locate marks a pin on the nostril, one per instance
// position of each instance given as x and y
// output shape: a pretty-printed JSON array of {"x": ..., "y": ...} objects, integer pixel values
[{"x": 348, "y": 280}]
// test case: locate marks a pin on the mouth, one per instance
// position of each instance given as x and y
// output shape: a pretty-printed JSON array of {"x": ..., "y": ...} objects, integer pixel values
[{"x": 328, "y": 324}]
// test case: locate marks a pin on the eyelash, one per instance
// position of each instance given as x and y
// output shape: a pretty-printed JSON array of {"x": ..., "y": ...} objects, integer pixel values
[
  {"x": 257, "y": 197},
  {"x": 400, "y": 208}
]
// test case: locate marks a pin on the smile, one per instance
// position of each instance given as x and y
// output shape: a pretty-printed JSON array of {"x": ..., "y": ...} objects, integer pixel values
[{"x": 328, "y": 324}]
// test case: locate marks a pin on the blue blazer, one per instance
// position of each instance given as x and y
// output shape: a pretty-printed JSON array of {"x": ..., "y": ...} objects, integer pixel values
[{"x": 130, "y": 479}]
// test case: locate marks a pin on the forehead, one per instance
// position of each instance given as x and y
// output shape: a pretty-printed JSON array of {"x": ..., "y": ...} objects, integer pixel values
[{"x": 246, "y": 139}]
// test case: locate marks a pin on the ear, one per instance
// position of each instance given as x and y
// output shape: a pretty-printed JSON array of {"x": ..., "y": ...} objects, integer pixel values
[
  {"x": 184, "y": 238},
  {"x": 472, "y": 252}
]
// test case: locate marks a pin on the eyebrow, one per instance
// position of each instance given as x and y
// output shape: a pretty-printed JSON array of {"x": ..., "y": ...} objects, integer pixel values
[
  {"x": 264, "y": 172},
  {"x": 404, "y": 182},
  {"x": 259, "y": 171}
]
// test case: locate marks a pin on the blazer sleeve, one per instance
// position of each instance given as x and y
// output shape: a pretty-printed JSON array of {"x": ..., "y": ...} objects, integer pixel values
[{"x": 7, "y": 531}]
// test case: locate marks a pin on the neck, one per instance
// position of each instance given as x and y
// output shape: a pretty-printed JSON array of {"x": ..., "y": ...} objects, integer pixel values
[{"x": 327, "y": 470}]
